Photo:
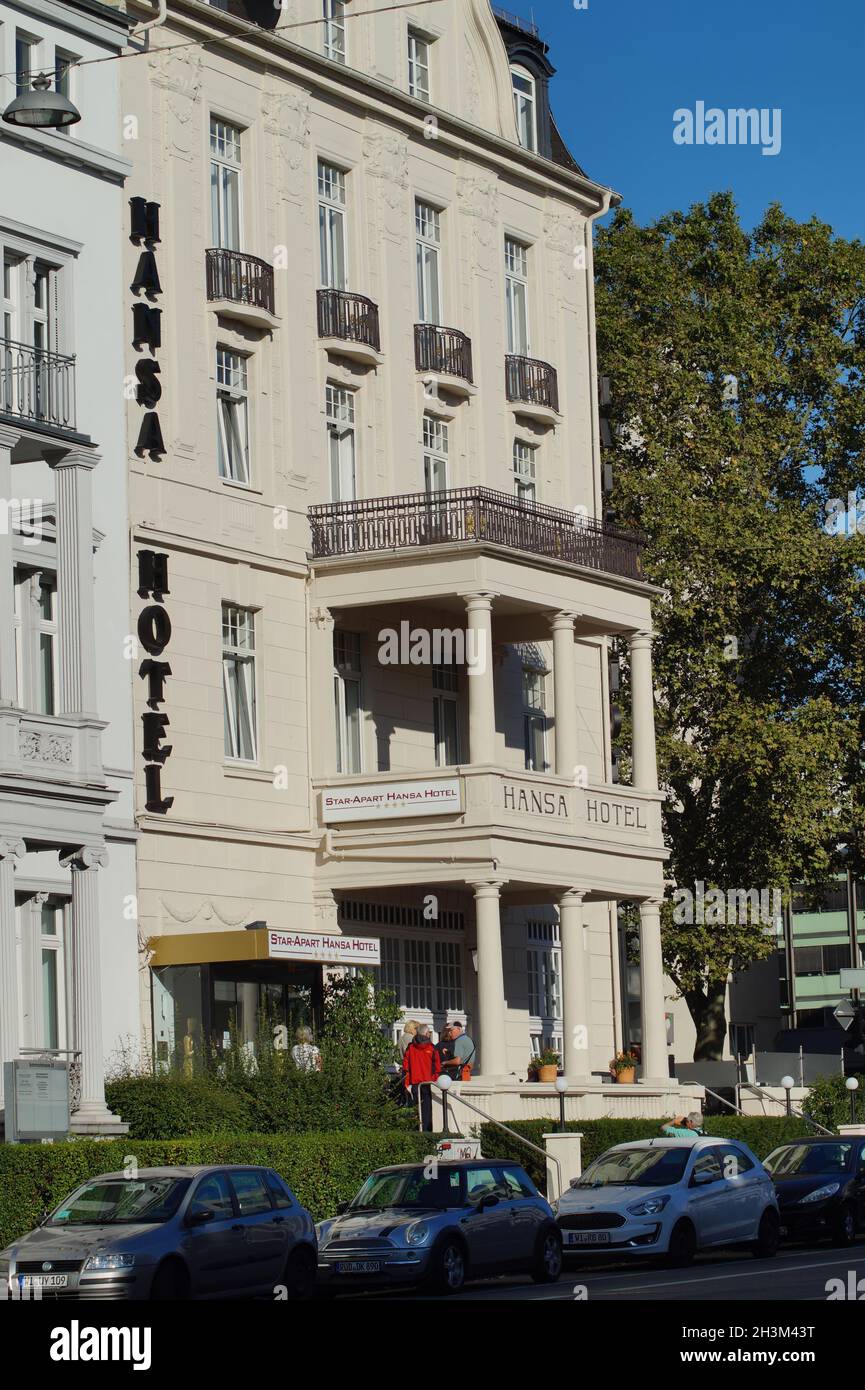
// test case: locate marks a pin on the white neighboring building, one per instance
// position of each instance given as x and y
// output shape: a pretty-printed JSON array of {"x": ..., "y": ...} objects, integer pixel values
[{"x": 68, "y": 934}]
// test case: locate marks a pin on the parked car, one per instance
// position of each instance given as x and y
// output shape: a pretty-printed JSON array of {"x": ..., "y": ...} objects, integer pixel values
[
  {"x": 169, "y": 1233},
  {"x": 670, "y": 1198},
  {"x": 820, "y": 1186},
  {"x": 440, "y": 1225}
]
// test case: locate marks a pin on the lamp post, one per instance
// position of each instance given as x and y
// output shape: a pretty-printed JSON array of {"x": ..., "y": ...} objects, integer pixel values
[
  {"x": 788, "y": 1083},
  {"x": 444, "y": 1084},
  {"x": 42, "y": 108},
  {"x": 852, "y": 1085},
  {"x": 561, "y": 1087}
]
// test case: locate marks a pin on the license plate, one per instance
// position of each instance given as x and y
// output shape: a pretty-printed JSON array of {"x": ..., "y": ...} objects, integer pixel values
[
  {"x": 587, "y": 1237},
  {"x": 358, "y": 1267},
  {"x": 43, "y": 1281}
]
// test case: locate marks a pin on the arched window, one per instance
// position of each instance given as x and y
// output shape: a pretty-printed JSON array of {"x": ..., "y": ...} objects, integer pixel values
[{"x": 525, "y": 107}]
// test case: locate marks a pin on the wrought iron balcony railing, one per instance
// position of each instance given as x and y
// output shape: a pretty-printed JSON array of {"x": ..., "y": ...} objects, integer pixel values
[
  {"x": 473, "y": 514},
  {"x": 445, "y": 350},
  {"x": 352, "y": 317},
  {"x": 239, "y": 278},
  {"x": 531, "y": 381},
  {"x": 37, "y": 386}
]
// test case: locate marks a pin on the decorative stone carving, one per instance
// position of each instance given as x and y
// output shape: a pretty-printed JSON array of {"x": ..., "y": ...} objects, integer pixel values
[
  {"x": 44, "y": 747},
  {"x": 385, "y": 159},
  {"x": 479, "y": 198},
  {"x": 203, "y": 911},
  {"x": 179, "y": 74}
]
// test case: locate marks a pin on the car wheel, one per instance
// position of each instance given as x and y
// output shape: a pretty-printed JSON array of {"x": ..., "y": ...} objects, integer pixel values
[
  {"x": 682, "y": 1247},
  {"x": 170, "y": 1282},
  {"x": 548, "y": 1260},
  {"x": 448, "y": 1272},
  {"x": 844, "y": 1231},
  {"x": 301, "y": 1269},
  {"x": 765, "y": 1247}
]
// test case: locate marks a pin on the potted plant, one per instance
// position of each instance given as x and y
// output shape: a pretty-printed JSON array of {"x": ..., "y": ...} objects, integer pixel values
[
  {"x": 624, "y": 1068},
  {"x": 546, "y": 1066}
]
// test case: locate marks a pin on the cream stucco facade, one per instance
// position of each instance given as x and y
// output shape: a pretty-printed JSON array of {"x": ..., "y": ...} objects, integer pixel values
[{"x": 450, "y": 494}]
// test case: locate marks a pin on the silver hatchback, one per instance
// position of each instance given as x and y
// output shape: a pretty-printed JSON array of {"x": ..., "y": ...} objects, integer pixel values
[
  {"x": 440, "y": 1223},
  {"x": 169, "y": 1233}
]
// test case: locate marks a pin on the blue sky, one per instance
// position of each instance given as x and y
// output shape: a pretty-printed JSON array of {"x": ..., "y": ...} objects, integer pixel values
[{"x": 624, "y": 66}]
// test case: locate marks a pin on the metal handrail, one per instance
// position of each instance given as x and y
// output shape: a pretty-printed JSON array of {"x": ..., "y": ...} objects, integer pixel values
[
  {"x": 507, "y": 1129},
  {"x": 799, "y": 1114}
]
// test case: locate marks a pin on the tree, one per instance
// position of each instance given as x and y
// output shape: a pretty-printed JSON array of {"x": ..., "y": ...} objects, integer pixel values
[{"x": 737, "y": 364}]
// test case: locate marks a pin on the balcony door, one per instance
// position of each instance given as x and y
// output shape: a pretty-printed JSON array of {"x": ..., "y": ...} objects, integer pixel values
[
  {"x": 428, "y": 233},
  {"x": 32, "y": 381},
  {"x": 517, "y": 297},
  {"x": 435, "y": 472},
  {"x": 331, "y": 227},
  {"x": 225, "y": 192},
  {"x": 339, "y": 406}
]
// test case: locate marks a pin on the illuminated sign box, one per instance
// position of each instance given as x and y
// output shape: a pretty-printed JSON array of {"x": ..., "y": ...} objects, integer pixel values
[
  {"x": 392, "y": 800},
  {"x": 329, "y": 950}
]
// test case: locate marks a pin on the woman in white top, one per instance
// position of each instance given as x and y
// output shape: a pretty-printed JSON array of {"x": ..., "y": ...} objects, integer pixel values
[{"x": 305, "y": 1054}]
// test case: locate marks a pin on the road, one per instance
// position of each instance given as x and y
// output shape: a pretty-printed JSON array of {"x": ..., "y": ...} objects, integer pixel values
[{"x": 796, "y": 1274}]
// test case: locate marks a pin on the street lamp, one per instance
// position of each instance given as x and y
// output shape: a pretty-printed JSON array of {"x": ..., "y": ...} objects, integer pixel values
[
  {"x": 41, "y": 107},
  {"x": 444, "y": 1084},
  {"x": 788, "y": 1083},
  {"x": 561, "y": 1087},
  {"x": 852, "y": 1085}
]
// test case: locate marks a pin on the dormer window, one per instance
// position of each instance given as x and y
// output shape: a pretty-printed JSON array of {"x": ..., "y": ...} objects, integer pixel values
[{"x": 525, "y": 107}]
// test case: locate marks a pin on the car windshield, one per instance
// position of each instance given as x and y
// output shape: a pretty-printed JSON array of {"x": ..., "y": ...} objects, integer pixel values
[
  {"x": 121, "y": 1202},
  {"x": 798, "y": 1160},
  {"x": 413, "y": 1187},
  {"x": 637, "y": 1167}
]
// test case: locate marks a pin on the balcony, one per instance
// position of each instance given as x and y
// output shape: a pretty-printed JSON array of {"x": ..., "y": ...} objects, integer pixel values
[
  {"x": 59, "y": 748},
  {"x": 348, "y": 325},
  {"x": 476, "y": 515},
  {"x": 446, "y": 355},
  {"x": 37, "y": 387},
  {"x": 240, "y": 287},
  {"x": 533, "y": 386}
]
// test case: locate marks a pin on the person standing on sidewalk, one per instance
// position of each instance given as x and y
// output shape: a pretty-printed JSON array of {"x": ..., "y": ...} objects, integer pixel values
[{"x": 421, "y": 1067}]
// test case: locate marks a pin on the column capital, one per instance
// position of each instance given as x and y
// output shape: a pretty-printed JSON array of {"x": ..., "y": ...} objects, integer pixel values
[
  {"x": 641, "y": 637},
  {"x": 563, "y": 621},
  {"x": 478, "y": 601},
  {"x": 653, "y": 904},
  {"x": 8, "y": 437},
  {"x": 322, "y": 619},
  {"x": 12, "y": 847},
  {"x": 576, "y": 895},
  {"x": 74, "y": 458},
  {"x": 487, "y": 887},
  {"x": 87, "y": 857}
]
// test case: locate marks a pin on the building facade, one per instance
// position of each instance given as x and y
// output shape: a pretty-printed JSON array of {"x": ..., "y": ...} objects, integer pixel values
[
  {"x": 373, "y": 592},
  {"x": 68, "y": 938}
]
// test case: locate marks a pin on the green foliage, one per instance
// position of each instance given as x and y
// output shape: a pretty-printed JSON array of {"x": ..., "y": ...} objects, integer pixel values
[
  {"x": 759, "y": 1132},
  {"x": 737, "y": 366},
  {"x": 829, "y": 1101},
  {"x": 357, "y": 1023},
  {"x": 174, "y": 1107},
  {"x": 321, "y": 1169}
]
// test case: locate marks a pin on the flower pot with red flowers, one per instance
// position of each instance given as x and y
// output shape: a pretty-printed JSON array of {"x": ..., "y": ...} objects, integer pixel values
[{"x": 624, "y": 1068}]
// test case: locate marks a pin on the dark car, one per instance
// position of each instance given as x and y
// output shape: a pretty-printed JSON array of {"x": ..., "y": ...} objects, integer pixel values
[
  {"x": 820, "y": 1185},
  {"x": 169, "y": 1233},
  {"x": 440, "y": 1223}
]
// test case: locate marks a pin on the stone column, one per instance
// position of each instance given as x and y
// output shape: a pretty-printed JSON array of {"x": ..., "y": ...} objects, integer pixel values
[
  {"x": 482, "y": 705},
  {"x": 576, "y": 1058},
  {"x": 565, "y": 694},
  {"x": 8, "y": 682},
  {"x": 645, "y": 775},
  {"x": 89, "y": 984},
  {"x": 492, "y": 1048},
  {"x": 655, "y": 1066},
  {"x": 76, "y": 620},
  {"x": 11, "y": 849}
]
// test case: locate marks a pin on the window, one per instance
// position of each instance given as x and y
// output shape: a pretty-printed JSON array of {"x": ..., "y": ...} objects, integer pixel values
[
  {"x": 238, "y": 682},
  {"x": 446, "y": 687},
  {"x": 435, "y": 454},
  {"x": 35, "y": 622},
  {"x": 53, "y": 974},
  {"x": 26, "y": 61},
  {"x": 449, "y": 993},
  {"x": 278, "y": 1194},
  {"x": 251, "y": 1193},
  {"x": 347, "y": 700},
  {"x": 334, "y": 30},
  {"x": 544, "y": 972},
  {"x": 339, "y": 411},
  {"x": 525, "y": 108},
  {"x": 63, "y": 64},
  {"x": 707, "y": 1166},
  {"x": 428, "y": 231},
  {"x": 331, "y": 226},
  {"x": 418, "y": 974},
  {"x": 232, "y": 417},
  {"x": 517, "y": 296},
  {"x": 524, "y": 471},
  {"x": 423, "y": 975},
  {"x": 535, "y": 719},
  {"x": 225, "y": 184},
  {"x": 212, "y": 1194},
  {"x": 418, "y": 66}
]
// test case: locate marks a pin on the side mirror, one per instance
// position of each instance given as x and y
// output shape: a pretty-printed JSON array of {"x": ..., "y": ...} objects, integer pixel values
[
  {"x": 700, "y": 1179},
  {"x": 490, "y": 1200},
  {"x": 201, "y": 1217},
  {"x": 341, "y": 1208}
]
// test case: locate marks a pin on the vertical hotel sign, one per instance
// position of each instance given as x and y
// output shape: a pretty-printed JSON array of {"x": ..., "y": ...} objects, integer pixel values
[{"x": 154, "y": 623}]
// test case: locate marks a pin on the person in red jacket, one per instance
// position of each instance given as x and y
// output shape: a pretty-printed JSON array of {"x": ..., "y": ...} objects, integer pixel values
[{"x": 421, "y": 1066}]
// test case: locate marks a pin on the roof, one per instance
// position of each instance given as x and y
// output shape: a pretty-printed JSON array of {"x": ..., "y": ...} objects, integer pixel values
[
  {"x": 179, "y": 1170},
  {"x": 449, "y": 1163},
  {"x": 700, "y": 1141}
]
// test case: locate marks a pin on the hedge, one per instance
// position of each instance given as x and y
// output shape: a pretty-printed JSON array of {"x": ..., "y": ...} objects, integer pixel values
[
  {"x": 321, "y": 1169},
  {"x": 760, "y": 1133}
]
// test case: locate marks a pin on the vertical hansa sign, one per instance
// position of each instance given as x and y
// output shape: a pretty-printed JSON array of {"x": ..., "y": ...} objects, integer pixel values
[
  {"x": 154, "y": 634},
  {"x": 147, "y": 324}
]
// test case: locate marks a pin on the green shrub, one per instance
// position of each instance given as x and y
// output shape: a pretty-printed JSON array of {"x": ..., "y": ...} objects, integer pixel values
[
  {"x": 322, "y": 1169},
  {"x": 175, "y": 1107},
  {"x": 829, "y": 1101},
  {"x": 760, "y": 1133}
]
